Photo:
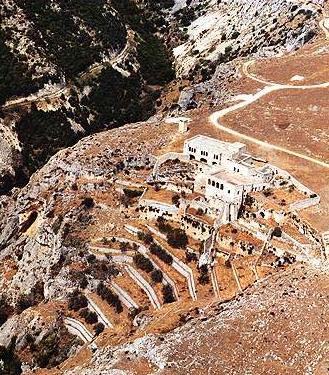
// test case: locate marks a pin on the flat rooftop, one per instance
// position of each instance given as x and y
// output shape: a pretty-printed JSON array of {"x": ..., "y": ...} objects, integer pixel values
[
  {"x": 234, "y": 178},
  {"x": 215, "y": 143}
]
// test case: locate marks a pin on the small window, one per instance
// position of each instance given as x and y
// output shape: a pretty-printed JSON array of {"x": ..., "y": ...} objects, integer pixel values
[
  {"x": 213, "y": 183},
  {"x": 217, "y": 185},
  {"x": 209, "y": 181},
  {"x": 221, "y": 187},
  {"x": 229, "y": 191}
]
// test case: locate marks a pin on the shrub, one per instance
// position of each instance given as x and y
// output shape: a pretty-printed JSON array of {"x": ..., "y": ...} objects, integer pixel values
[
  {"x": 277, "y": 232},
  {"x": 88, "y": 202},
  {"x": 143, "y": 263},
  {"x": 91, "y": 258},
  {"x": 177, "y": 238},
  {"x": 110, "y": 297},
  {"x": 5, "y": 310},
  {"x": 175, "y": 199},
  {"x": 200, "y": 211},
  {"x": 133, "y": 312},
  {"x": 249, "y": 200},
  {"x": 168, "y": 295},
  {"x": 267, "y": 192},
  {"x": 161, "y": 253},
  {"x": 131, "y": 194},
  {"x": 10, "y": 364},
  {"x": 23, "y": 303},
  {"x": 77, "y": 301},
  {"x": 157, "y": 276},
  {"x": 204, "y": 276},
  {"x": 99, "y": 328}
]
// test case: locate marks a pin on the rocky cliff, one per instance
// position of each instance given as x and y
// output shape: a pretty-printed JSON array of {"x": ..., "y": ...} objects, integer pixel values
[{"x": 71, "y": 70}]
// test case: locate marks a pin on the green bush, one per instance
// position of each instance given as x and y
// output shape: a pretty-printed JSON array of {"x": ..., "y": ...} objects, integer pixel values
[
  {"x": 177, "y": 238},
  {"x": 143, "y": 263}
]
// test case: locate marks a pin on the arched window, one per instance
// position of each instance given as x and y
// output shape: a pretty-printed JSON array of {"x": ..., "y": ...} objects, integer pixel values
[
  {"x": 217, "y": 185},
  {"x": 221, "y": 187},
  {"x": 213, "y": 183}
]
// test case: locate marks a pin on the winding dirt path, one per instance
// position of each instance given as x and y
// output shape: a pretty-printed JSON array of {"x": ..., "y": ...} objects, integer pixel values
[
  {"x": 324, "y": 24},
  {"x": 216, "y": 117},
  {"x": 66, "y": 87}
]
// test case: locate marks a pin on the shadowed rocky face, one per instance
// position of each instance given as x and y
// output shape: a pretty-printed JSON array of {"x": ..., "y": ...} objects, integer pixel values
[{"x": 191, "y": 242}]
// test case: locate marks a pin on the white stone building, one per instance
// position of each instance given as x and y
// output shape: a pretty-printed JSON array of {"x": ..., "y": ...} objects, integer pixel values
[
  {"x": 223, "y": 174},
  {"x": 211, "y": 151},
  {"x": 230, "y": 173}
]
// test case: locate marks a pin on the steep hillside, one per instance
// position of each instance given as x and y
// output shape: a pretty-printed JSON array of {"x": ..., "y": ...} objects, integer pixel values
[
  {"x": 89, "y": 284},
  {"x": 70, "y": 69},
  {"x": 55, "y": 41},
  {"x": 263, "y": 332},
  {"x": 213, "y": 38}
]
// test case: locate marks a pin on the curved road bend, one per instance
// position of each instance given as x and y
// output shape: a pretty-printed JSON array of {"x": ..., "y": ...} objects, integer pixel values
[{"x": 271, "y": 87}]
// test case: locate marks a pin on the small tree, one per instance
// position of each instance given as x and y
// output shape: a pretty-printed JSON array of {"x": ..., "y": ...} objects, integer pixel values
[
  {"x": 277, "y": 232},
  {"x": 88, "y": 203},
  {"x": 204, "y": 276},
  {"x": 200, "y": 211},
  {"x": 99, "y": 328},
  {"x": 190, "y": 257},
  {"x": 145, "y": 237},
  {"x": 124, "y": 246},
  {"x": 143, "y": 263},
  {"x": 177, "y": 238},
  {"x": 175, "y": 199},
  {"x": 91, "y": 317},
  {"x": 161, "y": 253},
  {"x": 157, "y": 276},
  {"x": 168, "y": 295},
  {"x": 77, "y": 301}
]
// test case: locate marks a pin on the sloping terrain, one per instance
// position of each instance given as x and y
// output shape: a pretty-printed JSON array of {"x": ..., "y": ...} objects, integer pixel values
[
  {"x": 69, "y": 69},
  {"x": 86, "y": 285},
  {"x": 75, "y": 69},
  {"x": 71, "y": 263},
  {"x": 277, "y": 327}
]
